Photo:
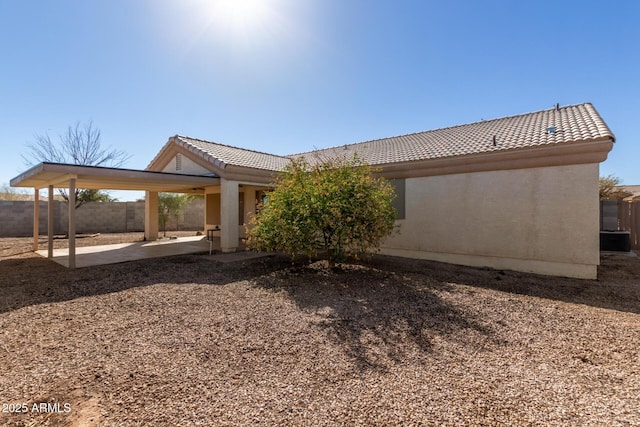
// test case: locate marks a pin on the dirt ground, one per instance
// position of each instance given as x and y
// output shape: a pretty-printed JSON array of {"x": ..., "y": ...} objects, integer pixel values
[{"x": 188, "y": 340}]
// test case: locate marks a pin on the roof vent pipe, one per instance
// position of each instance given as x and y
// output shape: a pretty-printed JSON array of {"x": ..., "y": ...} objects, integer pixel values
[{"x": 494, "y": 140}]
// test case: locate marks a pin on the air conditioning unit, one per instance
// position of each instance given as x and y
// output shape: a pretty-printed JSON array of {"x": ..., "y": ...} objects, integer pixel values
[{"x": 618, "y": 241}]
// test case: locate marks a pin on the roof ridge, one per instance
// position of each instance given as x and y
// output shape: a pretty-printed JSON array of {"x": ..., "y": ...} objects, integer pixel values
[
  {"x": 231, "y": 146},
  {"x": 445, "y": 128}
]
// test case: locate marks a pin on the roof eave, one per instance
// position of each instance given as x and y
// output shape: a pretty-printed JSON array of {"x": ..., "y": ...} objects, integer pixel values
[
  {"x": 176, "y": 145},
  {"x": 202, "y": 154},
  {"x": 98, "y": 178},
  {"x": 243, "y": 173},
  {"x": 15, "y": 182},
  {"x": 579, "y": 152}
]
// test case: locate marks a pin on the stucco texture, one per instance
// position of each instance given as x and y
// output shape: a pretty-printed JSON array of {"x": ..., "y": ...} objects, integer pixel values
[
  {"x": 541, "y": 220},
  {"x": 186, "y": 166}
]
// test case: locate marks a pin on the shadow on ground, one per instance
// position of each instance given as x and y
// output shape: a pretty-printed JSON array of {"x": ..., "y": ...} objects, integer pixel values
[
  {"x": 386, "y": 300},
  {"x": 370, "y": 312},
  {"x": 36, "y": 280},
  {"x": 617, "y": 286}
]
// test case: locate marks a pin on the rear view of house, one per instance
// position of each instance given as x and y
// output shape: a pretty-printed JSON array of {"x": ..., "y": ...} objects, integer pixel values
[{"x": 517, "y": 193}]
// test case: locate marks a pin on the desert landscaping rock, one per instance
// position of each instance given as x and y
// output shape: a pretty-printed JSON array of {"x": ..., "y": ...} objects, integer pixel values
[{"x": 188, "y": 341}]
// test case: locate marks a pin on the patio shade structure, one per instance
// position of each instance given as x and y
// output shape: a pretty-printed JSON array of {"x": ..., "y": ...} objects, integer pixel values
[{"x": 69, "y": 176}]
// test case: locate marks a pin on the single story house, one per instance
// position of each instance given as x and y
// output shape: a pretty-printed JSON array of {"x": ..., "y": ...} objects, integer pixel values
[{"x": 517, "y": 193}]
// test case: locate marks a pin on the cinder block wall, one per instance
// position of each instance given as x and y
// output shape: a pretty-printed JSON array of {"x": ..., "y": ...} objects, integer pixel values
[
  {"x": 192, "y": 217},
  {"x": 11, "y": 213},
  {"x": 16, "y": 218}
]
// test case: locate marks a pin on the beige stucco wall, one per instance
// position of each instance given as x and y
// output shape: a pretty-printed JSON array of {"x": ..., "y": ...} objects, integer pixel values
[
  {"x": 542, "y": 220},
  {"x": 188, "y": 167},
  {"x": 212, "y": 211}
]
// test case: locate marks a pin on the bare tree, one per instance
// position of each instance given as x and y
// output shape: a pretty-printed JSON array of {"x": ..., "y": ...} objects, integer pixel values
[{"x": 80, "y": 145}]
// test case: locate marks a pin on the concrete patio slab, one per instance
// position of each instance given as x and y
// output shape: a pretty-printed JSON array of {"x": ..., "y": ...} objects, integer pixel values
[{"x": 122, "y": 252}]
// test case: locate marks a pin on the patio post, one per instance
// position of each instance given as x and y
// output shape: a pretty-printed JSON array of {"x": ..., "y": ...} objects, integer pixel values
[
  {"x": 249, "y": 202},
  {"x": 72, "y": 223},
  {"x": 36, "y": 218},
  {"x": 229, "y": 207},
  {"x": 151, "y": 215},
  {"x": 50, "y": 223},
  {"x": 249, "y": 207}
]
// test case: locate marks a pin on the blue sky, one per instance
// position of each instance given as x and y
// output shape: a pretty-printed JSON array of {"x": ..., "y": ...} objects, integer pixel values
[{"x": 285, "y": 76}]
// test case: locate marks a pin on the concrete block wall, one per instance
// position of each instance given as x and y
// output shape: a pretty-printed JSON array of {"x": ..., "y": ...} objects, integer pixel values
[
  {"x": 16, "y": 218},
  {"x": 192, "y": 217}
]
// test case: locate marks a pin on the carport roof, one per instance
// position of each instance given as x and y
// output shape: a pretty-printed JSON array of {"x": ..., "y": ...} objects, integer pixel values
[{"x": 103, "y": 178}]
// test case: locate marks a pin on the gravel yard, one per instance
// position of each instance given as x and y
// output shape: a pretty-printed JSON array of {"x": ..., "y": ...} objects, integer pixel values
[{"x": 191, "y": 341}]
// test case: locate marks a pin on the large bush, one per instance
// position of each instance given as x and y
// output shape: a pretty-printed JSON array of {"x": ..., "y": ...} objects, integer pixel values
[{"x": 335, "y": 205}]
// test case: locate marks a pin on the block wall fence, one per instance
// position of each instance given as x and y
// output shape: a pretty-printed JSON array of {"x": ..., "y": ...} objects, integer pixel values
[{"x": 16, "y": 218}]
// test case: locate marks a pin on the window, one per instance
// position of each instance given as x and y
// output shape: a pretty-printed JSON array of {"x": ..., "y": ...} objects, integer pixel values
[
  {"x": 399, "y": 202},
  {"x": 261, "y": 199},
  {"x": 178, "y": 162}
]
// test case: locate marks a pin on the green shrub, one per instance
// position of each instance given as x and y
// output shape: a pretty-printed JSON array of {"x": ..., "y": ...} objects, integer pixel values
[{"x": 335, "y": 205}]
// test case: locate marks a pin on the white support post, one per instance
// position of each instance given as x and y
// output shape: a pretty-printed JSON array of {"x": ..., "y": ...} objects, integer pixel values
[
  {"x": 50, "y": 223},
  {"x": 36, "y": 218},
  {"x": 72, "y": 223},
  {"x": 229, "y": 206}
]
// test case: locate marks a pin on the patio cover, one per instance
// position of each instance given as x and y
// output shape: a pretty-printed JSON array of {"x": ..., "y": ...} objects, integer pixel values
[
  {"x": 102, "y": 178},
  {"x": 60, "y": 175}
]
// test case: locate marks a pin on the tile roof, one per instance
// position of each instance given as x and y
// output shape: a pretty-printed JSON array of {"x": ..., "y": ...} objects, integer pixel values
[
  {"x": 559, "y": 125},
  {"x": 222, "y": 155},
  {"x": 554, "y": 126}
]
